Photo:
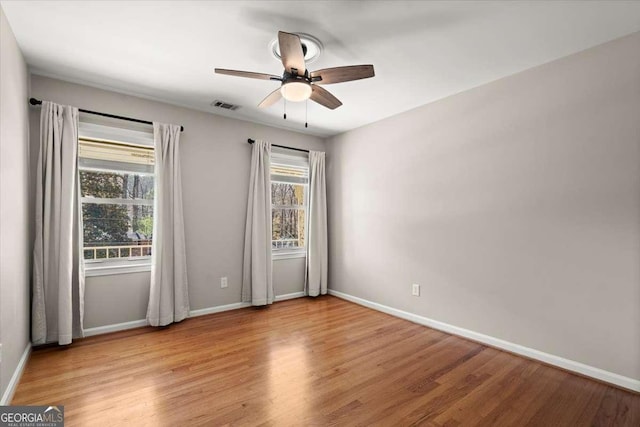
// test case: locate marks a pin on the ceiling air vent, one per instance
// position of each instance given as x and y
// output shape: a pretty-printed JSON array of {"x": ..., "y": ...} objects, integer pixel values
[{"x": 224, "y": 105}]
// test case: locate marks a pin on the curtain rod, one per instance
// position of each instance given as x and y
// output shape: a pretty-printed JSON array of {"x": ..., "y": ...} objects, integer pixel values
[
  {"x": 34, "y": 101},
  {"x": 251, "y": 141}
]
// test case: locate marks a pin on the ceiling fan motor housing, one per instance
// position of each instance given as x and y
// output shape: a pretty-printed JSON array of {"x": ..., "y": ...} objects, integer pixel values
[{"x": 291, "y": 77}]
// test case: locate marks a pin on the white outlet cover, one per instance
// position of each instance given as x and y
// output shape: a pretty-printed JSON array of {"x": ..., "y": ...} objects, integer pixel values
[
  {"x": 415, "y": 290},
  {"x": 223, "y": 282}
]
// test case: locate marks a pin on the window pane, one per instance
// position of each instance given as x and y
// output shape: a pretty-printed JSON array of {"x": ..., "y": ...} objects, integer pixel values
[
  {"x": 287, "y": 194},
  {"x": 287, "y": 228},
  {"x": 116, "y": 185},
  {"x": 116, "y": 230},
  {"x": 288, "y": 188}
]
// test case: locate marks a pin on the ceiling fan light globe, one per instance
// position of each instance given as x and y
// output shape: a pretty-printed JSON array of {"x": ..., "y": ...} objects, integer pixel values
[{"x": 296, "y": 91}]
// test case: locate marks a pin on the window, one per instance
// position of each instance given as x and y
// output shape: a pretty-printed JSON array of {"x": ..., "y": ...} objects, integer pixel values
[
  {"x": 117, "y": 189},
  {"x": 289, "y": 186}
]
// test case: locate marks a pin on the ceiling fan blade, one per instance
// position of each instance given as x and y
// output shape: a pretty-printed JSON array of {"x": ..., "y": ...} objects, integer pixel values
[
  {"x": 247, "y": 74},
  {"x": 291, "y": 53},
  {"x": 324, "y": 97},
  {"x": 342, "y": 74},
  {"x": 271, "y": 99}
]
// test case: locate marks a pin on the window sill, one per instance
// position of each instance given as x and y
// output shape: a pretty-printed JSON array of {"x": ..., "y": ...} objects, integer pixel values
[
  {"x": 108, "y": 269},
  {"x": 278, "y": 255}
]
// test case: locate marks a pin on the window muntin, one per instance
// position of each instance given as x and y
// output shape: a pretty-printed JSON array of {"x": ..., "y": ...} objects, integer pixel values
[
  {"x": 289, "y": 186},
  {"x": 117, "y": 190}
]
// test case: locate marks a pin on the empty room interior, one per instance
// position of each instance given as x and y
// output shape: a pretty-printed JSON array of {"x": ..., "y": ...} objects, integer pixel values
[{"x": 327, "y": 213}]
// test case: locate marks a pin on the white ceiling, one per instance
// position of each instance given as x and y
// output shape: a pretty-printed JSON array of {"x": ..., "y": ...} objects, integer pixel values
[{"x": 422, "y": 51}]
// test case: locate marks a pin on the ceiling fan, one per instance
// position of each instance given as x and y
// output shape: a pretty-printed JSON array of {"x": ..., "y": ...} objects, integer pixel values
[{"x": 297, "y": 83}]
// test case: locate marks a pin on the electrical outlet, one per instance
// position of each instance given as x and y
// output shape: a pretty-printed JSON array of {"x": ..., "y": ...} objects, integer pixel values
[
  {"x": 223, "y": 282},
  {"x": 415, "y": 290}
]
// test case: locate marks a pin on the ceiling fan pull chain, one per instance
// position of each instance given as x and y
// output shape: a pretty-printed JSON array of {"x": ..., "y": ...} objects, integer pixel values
[
  {"x": 306, "y": 113},
  {"x": 285, "y": 104}
]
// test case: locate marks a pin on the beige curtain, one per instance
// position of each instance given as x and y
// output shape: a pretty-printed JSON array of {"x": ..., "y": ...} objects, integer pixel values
[
  {"x": 169, "y": 295},
  {"x": 58, "y": 276},
  {"x": 317, "y": 248},
  {"x": 257, "y": 283}
]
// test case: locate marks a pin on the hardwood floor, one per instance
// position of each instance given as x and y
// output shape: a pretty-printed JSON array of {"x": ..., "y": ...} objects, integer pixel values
[{"x": 301, "y": 362}]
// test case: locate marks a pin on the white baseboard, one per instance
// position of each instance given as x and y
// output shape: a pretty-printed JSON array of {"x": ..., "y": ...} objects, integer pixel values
[
  {"x": 99, "y": 330},
  {"x": 289, "y": 296},
  {"x": 219, "y": 309},
  {"x": 15, "y": 378},
  {"x": 569, "y": 365},
  {"x": 237, "y": 305}
]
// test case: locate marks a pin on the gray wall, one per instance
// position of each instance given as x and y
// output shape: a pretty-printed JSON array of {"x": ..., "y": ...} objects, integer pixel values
[
  {"x": 106, "y": 305},
  {"x": 14, "y": 217},
  {"x": 515, "y": 205},
  {"x": 287, "y": 275},
  {"x": 215, "y": 176},
  {"x": 114, "y": 299}
]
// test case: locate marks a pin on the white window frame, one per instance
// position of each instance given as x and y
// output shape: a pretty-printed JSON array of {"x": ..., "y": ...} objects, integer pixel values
[
  {"x": 287, "y": 158},
  {"x": 109, "y": 130}
]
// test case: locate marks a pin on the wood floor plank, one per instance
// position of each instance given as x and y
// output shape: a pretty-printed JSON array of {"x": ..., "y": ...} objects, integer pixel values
[
  {"x": 309, "y": 362},
  {"x": 617, "y": 408},
  {"x": 527, "y": 400}
]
